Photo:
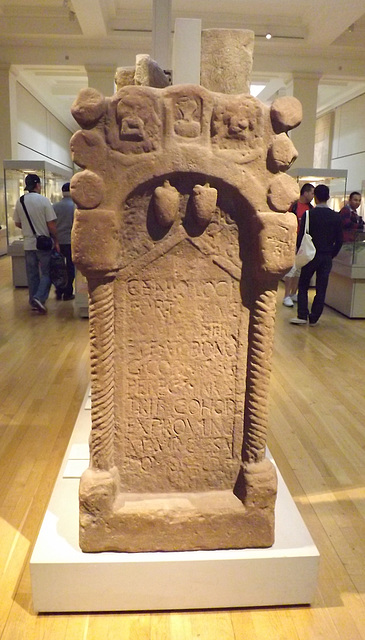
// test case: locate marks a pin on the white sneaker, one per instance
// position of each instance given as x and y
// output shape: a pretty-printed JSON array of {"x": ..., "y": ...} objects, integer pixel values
[
  {"x": 37, "y": 304},
  {"x": 294, "y": 297},
  {"x": 297, "y": 321},
  {"x": 288, "y": 302}
]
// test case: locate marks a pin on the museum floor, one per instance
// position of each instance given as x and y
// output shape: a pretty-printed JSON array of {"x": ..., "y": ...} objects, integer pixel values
[{"x": 317, "y": 428}]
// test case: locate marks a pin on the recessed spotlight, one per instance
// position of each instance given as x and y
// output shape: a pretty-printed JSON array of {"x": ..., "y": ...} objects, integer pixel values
[{"x": 268, "y": 36}]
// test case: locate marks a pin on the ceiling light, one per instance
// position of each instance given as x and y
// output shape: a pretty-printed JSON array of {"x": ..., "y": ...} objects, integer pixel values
[{"x": 268, "y": 36}]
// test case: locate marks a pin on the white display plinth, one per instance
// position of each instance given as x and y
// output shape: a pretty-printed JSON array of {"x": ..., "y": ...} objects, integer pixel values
[{"x": 65, "y": 579}]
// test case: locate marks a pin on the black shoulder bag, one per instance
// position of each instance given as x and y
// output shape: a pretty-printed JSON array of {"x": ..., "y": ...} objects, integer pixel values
[{"x": 44, "y": 243}]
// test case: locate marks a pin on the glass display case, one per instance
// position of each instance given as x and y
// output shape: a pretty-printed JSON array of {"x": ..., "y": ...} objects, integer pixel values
[
  {"x": 3, "y": 240},
  {"x": 361, "y": 209},
  {"x": 353, "y": 253},
  {"x": 52, "y": 178},
  {"x": 346, "y": 286},
  {"x": 335, "y": 179}
]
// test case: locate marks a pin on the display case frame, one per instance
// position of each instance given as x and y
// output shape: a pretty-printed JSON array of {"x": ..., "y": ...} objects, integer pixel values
[{"x": 3, "y": 233}]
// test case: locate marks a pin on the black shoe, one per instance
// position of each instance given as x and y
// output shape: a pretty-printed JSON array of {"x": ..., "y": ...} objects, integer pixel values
[
  {"x": 71, "y": 297},
  {"x": 58, "y": 296}
]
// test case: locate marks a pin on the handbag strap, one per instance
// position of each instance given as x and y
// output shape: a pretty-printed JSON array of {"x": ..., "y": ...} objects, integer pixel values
[
  {"x": 306, "y": 230},
  {"x": 27, "y": 214}
]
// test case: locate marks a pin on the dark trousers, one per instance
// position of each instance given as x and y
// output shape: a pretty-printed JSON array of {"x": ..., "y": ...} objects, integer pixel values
[
  {"x": 68, "y": 290},
  {"x": 321, "y": 265}
]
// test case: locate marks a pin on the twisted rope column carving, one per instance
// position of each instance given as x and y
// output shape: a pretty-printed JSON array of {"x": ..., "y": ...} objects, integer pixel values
[
  {"x": 261, "y": 334},
  {"x": 101, "y": 314}
]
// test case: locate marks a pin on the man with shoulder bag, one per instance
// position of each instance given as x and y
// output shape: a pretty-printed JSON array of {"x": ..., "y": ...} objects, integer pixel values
[
  {"x": 34, "y": 214},
  {"x": 326, "y": 233}
]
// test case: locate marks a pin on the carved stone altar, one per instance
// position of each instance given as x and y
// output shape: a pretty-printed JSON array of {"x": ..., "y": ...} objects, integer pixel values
[{"x": 182, "y": 234}]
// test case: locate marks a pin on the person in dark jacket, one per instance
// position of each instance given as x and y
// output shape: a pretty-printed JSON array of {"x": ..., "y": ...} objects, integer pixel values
[
  {"x": 350, "y": 220},
  {"x": 64, "y": 211},
  {"x": 326, "y": 231}
]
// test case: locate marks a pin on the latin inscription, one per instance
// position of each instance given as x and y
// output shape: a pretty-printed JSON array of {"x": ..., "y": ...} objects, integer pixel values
[{"x": 181, "y": 405}]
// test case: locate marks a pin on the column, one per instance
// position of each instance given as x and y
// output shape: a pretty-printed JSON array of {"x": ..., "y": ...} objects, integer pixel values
[
  {"x": 161, "y": 33},
  {"x": 101, "y": 77},
  {"x": 304, "y": 86},
  {"x": 7, "y": 116},
  {"x": 8, "y": 147},
  {"x": 186, "y": 51}
]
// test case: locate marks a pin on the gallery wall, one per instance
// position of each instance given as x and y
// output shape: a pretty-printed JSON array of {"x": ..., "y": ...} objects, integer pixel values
[
  {"x": 39, "y": 135},
  {"x": 348, "y": 144}
]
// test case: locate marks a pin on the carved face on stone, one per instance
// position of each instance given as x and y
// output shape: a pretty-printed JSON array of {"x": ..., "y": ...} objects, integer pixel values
[
  {"x": 138, "y": 123},
  {"x": 238, "y": 125}
]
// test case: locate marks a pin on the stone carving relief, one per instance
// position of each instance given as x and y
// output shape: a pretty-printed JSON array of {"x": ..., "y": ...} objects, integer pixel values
[
  {"x": 134, "y": 122},
  {"x": 182, "y": 231},
  {"x": 187, "y": 114},
  {"x": 237, "y": 126}
]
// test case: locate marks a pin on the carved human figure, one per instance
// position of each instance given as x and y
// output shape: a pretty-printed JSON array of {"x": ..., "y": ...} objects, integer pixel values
[{"x": 138, "y": 125}]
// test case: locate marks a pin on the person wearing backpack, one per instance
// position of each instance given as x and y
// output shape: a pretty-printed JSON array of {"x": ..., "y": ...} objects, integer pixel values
[{"x": 34, "y": 215}]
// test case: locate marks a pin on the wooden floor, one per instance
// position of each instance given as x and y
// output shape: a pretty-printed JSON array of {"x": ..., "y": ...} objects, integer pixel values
[{"x": 317, "y": 436}]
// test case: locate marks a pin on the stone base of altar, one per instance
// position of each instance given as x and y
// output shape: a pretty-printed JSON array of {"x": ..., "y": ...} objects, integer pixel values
[{"x": 66, "y": 579}]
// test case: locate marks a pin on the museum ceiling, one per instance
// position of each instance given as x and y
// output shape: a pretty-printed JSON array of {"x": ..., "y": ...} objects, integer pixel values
[{"x": 49, "y": 42}]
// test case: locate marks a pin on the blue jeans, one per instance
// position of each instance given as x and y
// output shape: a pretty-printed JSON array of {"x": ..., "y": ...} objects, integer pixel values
[
  {"x": 321, "y": 266},
  {"x": 37, "y": 268}
]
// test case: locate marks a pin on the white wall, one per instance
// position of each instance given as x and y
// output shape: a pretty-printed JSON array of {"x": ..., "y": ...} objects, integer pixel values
[
  {"x": 348, "y": 147},
  {"x": 40, "y": 136}
]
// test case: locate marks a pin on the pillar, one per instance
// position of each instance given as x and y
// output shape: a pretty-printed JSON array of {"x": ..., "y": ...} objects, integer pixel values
[
  {"x": 161, "y": 33},
  {"x": 7, "y": 115},
  {"x": 101, "y": 77},
  {"x": 304, "y": 86},
  {"x": 186, "y": 51}
]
